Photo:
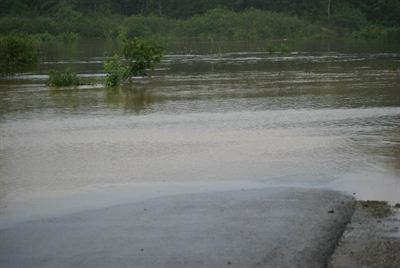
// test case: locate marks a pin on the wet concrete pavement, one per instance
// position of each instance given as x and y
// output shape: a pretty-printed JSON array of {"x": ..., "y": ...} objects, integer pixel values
[
  {"x": 372, "y": 239},
  {"x": 272, "y": 227}
]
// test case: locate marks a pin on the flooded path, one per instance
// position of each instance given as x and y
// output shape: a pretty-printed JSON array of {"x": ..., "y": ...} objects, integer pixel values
[{"x": 329, "y": 120}]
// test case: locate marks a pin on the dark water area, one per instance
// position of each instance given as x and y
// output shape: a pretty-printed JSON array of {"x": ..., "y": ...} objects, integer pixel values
[{"x": 325, "y": 115}]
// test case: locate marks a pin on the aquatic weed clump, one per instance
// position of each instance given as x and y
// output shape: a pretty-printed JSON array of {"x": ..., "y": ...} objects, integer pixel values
[{"x": 63, "y": 79}]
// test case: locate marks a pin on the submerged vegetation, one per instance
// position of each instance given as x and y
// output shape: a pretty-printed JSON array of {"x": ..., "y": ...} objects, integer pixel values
[
  {"x": 17, "y": 54},
  {"x": 278, "y": 48},
  {"x": 139, "y": 55},
  {"x": 116, "y": 71},
  {"x": 63, "y": 79}
]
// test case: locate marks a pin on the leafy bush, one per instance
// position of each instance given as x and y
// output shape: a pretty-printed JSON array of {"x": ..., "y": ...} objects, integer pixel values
[
  {"x": 393, "y": 33},
  {"x": 115, "y": 70},
  {"x": 278, "y": 48},
  {"x": 348, "y": 19},
  {"x": 148, "y": 26},
  {"x": 139, "y": 55},
  {"x": 252, "y": 24},
  {"x": 28, "y": 25},
  {"x": 43, "y": 37},
  {"x": 68, "y": 37},
  {"x": 63, "y": 79},
  {"x": 371, "y": 32},
  {"x": 17, "y": 54}
]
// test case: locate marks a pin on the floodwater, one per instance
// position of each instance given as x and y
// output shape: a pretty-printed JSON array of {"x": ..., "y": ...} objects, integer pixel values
[{"x": 326, "y": 119}]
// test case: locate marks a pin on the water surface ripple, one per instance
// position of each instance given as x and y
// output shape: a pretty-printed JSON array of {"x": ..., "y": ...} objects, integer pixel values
[{"x": 306, "y": 119}]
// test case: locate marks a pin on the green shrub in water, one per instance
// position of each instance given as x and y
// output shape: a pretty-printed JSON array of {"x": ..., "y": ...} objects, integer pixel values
[
  {"x": 139, "y": 55},
  {"x": 280, "y": 48},
  {"x": 63, "y": 79},
  {"x": 69, "y": 37},
  {"x": 371, "y": 32},
  {"x": 116, "y": 71},
  {"x": 17, "y": 54}
]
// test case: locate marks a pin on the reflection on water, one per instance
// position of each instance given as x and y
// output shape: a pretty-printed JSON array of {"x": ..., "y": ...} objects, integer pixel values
[
  {"x": 130, "y": 98},
  {"x": 316, "y": 119}
]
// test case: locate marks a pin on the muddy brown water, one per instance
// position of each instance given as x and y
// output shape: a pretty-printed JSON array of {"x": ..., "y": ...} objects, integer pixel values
[{"x": 327, "y": 119}]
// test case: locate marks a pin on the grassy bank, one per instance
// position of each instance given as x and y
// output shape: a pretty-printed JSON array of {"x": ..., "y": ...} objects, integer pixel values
[{"x": 218, "y": 24}]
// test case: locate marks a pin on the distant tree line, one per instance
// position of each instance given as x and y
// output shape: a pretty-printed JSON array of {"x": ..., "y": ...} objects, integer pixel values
[
  {"x": 385, "y": 12},
  {"x": 212, "y": 19}
]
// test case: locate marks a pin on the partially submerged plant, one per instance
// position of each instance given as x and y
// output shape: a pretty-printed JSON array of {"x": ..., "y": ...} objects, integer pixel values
[
  {"x": 116, "y": 71},
  {"x": 279, "y": 48},
  {"x": 63, "y": 79},
  {"x": 139, "y": 55},
  {"x": 69, "y": 37},
  {"x": 17, "y": 54}
]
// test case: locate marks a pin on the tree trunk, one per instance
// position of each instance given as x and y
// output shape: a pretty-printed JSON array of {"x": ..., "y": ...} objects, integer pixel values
[
  {"x": 329, "y": 7},
  {"x": 159, "y": 8}
]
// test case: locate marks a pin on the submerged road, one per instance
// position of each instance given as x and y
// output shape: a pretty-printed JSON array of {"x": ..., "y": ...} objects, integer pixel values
[{"x": 272, "y": 227}]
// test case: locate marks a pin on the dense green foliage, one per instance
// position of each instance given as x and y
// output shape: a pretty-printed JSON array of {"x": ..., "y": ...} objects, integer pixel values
[
  {"x": 382, "y": 11},
  {"x": 63, "y": 79},
  {"x": 116, "y": 71},
  {"x": 278, "y": 48},
  {"x": 216, "y": 24},
  {"x": 17, "y": 54},
  {"x": 228, "y": 19},
  {"x": 248, "y": 25},
  {"x": 65, "y": 23},
  {"x": 139, "y": 55}
]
